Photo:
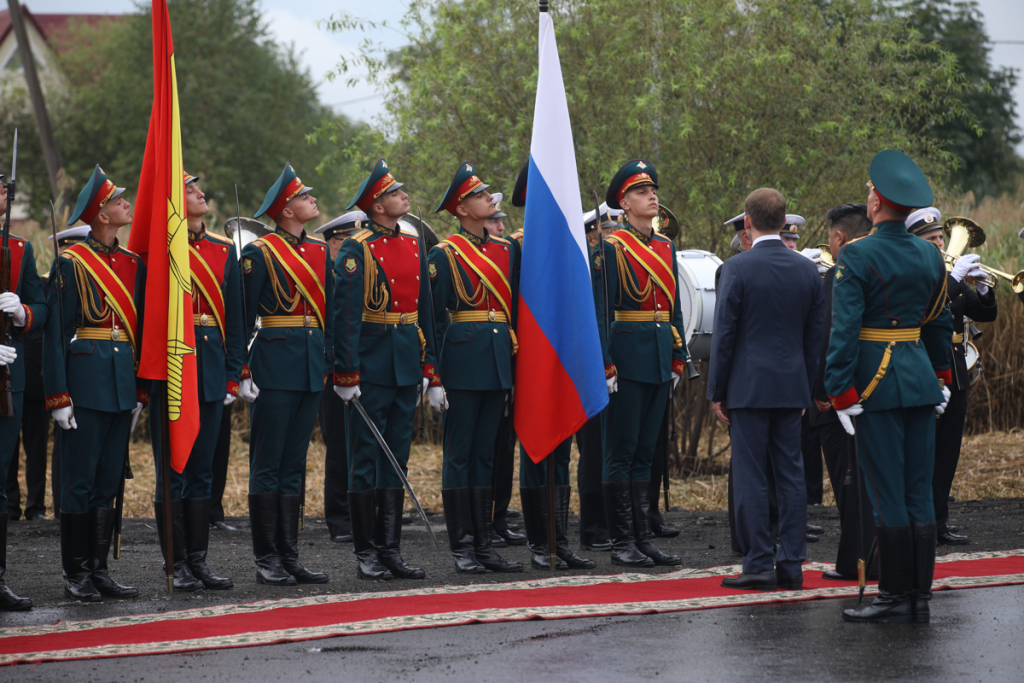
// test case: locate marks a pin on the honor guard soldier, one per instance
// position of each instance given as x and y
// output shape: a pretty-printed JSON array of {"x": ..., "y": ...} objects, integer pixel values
[
  {"x": 966, "y": 304},
  {"x": 220, "y": 352},
  {"x": 644, "y": 356},
  {"x": 888, "y": 362},
  {"x": 24, "y": 302},
  {"x": 472, "y": 276},
  {"x": 332, "y": 408},
  {"x": 288, "y": 284},
  {"x": 90, "y": 359},
  {"x": 384, "y": 358}
]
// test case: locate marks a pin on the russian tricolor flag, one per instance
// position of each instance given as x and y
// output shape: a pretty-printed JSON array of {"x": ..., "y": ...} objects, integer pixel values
[{"x": 560, "y": 381}]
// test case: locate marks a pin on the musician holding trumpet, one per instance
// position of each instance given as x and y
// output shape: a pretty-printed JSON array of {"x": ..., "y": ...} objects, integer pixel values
[{"x": 966, "y": 303}]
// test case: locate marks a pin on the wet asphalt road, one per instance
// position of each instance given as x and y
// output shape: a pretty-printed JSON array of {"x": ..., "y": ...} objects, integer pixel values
[{"x": 975, "y": 635}]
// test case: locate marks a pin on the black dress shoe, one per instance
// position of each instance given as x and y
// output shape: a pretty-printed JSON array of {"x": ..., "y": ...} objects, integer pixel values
[
  {"x": 221, "y": 526},
  {"x": 510, "y": 537},
  {"x": 952, "y": 527},
  {"x": 789, "y": 582},
  {"x": 812, "y": 538},
  {"x": 664, "y": 531},
  {"x": 342, "y": 538},
  {"x": 33, "y": 516},
  {"x": 761, "y": 581},
  {"x": 949, "y": 538},
  {"x": 836, "y": 576},
  {"x": 815, "y": 529},
  {"x": 513, "y": 513},
  {"x": 598, "y": 547}
]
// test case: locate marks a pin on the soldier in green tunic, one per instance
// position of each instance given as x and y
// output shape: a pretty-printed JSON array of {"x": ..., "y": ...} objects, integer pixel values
[
  {"x": 472, "y": 277},
  {"x": 288, "y": 284},
  {"x": 887, "y": 366},
  {"x": 384, "y": 357}
]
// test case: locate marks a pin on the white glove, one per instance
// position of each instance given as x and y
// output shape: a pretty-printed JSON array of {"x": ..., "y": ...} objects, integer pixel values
[
  {"x": 348, "y": 393},
  {"x": 815, "y": 256},
  {"x": 423, "y": 391},
  {"x": 438, "y": 401},
  {"x": 229, "y": 399},
  {"x": 941, "y": 408},
  {"x": 11, "y": 303},
  {"x": 135, "y": 414},
  {"x": 675, "y": 379},
  {"x": 7, "y": 354},
  {"x": 613, "y": 384},
  {"x": 967, "y": 266},
  {"x": 846, "y": 416},
  {"x": 65, "y": 417},
  {"x": 981, "y": 287},
  {"x": 247, "y": 390}
]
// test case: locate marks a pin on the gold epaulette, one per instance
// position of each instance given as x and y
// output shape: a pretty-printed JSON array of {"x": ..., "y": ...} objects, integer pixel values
[
  {"x": 315, "y": 240},
  {"x": 259, "y": 244},
  {"x": 362, "y": 236},
  {"x": 218, "y": 238},
  {"x": 501, "y": 240},
  {"x": 128, "y": 251}
]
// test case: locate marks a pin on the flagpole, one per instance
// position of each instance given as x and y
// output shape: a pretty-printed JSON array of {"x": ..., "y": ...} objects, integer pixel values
[{"x": 165, "y": 475}]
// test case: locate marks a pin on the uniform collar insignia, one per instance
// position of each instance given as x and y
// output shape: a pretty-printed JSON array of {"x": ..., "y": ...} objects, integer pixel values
[
  {"x": 473, "y": 238},
  {"x": 639, "y": 235},
  {"x": 290, "y": 238},
  {"x": 380, "y": 229},
  {"x": 99, "y": 247},
  {"x": 197, "y": 236}
]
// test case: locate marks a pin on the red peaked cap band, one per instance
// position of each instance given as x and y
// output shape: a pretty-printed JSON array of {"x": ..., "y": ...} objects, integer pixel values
[
  {"x": 102, "y": 197},
  {"x": 289, "y": 193},
  {"x": 634, "y": 181},
  {"x": 379, "y": 188},
  {"x": 464, "y": 190}
]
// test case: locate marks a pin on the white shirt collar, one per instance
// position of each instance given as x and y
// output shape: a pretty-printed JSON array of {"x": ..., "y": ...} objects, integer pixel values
[{"x": 764, "y": 238}]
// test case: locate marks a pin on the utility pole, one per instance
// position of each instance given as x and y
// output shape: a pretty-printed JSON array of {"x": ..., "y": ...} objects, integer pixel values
[{"x": 28, "y": 63}]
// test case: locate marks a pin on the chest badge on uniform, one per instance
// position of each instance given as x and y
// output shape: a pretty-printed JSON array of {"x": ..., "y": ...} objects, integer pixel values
[
  {"x": 350, "y": 265},
  {"x": 432, "y": 270},
  {"x": 839, "y": 272},
  {"x": 597, "y": 261},
  {"x": 247, "y": 265}
]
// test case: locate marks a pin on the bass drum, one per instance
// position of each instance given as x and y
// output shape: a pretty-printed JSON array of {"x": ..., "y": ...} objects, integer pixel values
[
  {"x": 974, "y": 368},
  {"x": 697, "y": 299}
]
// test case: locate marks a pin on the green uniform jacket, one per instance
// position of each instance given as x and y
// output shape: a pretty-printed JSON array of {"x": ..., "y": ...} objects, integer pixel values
[
  {"x": 98, "y": 374},
  {"x": 219, "y": 361},
  {"x": 890, "y": 280},
  {"x": 474, "y": 356},
  {"x": 286, "y": 358},
  {"x": 639, "y": 351},
  {"x": 29, "y": 289},
  {"x": 373, "y": 352}
]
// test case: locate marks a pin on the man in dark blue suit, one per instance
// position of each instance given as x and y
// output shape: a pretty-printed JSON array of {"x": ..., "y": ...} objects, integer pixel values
[{"x": 764, "y": 359}]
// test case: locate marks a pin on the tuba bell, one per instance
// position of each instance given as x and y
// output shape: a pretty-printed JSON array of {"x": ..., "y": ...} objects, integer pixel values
[{"x": 665, "y": 223}]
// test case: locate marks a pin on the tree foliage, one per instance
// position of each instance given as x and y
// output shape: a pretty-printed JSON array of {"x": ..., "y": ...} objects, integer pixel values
[
  {"x": 722, "y": 96},
  {"x": 988, "y": 160}
]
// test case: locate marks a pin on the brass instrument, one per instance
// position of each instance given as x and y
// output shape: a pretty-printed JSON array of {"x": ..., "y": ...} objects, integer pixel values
[
  {"x": 827, "y": 259},
  {"x": 963, "y": 234},
  {"x": 665, "y": 223}
]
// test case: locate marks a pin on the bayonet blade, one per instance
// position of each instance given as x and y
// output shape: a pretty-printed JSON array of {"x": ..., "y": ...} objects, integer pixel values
[{"x": 14, "y": 161}]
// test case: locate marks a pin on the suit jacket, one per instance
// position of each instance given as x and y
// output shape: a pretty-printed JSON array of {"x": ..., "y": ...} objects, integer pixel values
[
  {"x": 890, "y": 281},
  {"x": 965, "y": 302},
  {"x": 769, "y": 317}
]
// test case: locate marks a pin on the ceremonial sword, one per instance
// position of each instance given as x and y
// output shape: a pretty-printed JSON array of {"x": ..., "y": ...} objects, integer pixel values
[{"x": 398, "y": 469}]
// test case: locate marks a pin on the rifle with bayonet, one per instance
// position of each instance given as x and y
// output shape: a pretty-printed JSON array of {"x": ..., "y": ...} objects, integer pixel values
[{"x": 6, "y": 320}]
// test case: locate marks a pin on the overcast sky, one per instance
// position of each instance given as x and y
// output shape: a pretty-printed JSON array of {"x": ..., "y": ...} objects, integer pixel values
[{"x": 294, "y": 21}]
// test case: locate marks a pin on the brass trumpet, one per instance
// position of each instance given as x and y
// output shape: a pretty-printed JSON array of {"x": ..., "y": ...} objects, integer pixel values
[
  {"x": 963, "y": 234},
  {"x": 827, "y": 259}
]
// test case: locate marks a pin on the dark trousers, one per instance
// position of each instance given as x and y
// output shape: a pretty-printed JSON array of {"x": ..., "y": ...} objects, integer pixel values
[
  {"x": 470, "y": 425},
  {"x": 35, "y": 433},
  {"x": 334, "y": 430},
  {"x": 532, "y": 475},
  {"x": 810, "y": 443},
  {"x": 773, "y": 506},
  {"x": 10, "y": 427},
  {"x": 948, "y": 436},
  {"x": 764, "y": 439},
  {"x": 221, "y": 456},
  {"x": 635, "y": 414},
  {"x": 504, "y": 468},
  {"x": 392, "y": 410},
  {"x": 659, "y": 472},
  {"x": 92, "y": 459},
  {"x": 593, "y": 527},
  {"x": 196, "y": 479},
  {"x": 282, "y": 423},
  {"x": 844, "y": 473},
  {"x": 897, "y": 456}
]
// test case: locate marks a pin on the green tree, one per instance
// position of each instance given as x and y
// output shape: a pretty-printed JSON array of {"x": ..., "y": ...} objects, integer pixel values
[
  {"x": 988, "y": 160},
  {"x": 722, "y": 96},
  {"x": 246, "y": 103}
]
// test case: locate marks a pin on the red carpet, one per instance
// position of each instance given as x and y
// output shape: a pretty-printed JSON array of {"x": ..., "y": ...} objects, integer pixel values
[{"x": 274, "y": 621}]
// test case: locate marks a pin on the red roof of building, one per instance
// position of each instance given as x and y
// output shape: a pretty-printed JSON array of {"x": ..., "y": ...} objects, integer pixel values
[{"x": 50, "y": 25}]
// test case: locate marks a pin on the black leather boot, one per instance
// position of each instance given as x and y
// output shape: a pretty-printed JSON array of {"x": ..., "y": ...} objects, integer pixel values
[
  {"x": 361, "y": 506},
  {"x": 895, "y": 580},
  {"x": 618, "y": 508},
  {"x": 263, "y": 509},
  {"x": 642, "y": 526},
  {"x": 388, "y": 534},
  {"x": 535, "y": 519},
  {"x": 8, "y": 600},
  {"x": 101, "y": 521},
  {"x": 503, "y": 535},
  {"x": 183, "y": 577},
  {"x": 483, "y": 506},
  {"x": 573, "y": 560},
  {"x": 288, "y": 540},
  {"x": 458, "y": 518},
  {"x": 75, "y": 555},
  {"x": 197, "y": 543},
  {"x": 924, "y": 570}
]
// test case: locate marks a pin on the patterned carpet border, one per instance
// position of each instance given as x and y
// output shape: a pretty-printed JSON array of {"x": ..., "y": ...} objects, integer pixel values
[{"x": 455, "y": 618}]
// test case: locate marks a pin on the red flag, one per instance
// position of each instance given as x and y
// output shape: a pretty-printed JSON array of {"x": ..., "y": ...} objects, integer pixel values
[{"x": 160, "y": 234}]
